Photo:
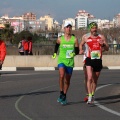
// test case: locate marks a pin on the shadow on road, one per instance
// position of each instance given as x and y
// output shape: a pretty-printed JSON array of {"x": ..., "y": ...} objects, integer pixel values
[
  {"x": 23, "y": 94},
  {"x": 110, "y": 99}
]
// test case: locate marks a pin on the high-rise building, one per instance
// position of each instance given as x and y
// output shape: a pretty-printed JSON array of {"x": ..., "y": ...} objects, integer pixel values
[{"x": 82, "y": 19}]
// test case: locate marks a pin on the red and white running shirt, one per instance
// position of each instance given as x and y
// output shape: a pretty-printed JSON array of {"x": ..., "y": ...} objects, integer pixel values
[{"x": 93, "y": 49}]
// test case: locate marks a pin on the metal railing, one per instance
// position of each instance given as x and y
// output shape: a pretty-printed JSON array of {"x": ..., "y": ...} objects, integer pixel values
[{"x": 39, "y": 49}]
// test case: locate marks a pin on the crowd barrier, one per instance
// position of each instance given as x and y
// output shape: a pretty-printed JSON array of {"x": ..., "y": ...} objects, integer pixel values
[{"x": 47, "y": 61}]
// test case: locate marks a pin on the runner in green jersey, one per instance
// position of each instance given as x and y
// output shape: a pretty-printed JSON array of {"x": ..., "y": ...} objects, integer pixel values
[{"x": 68, "y": 48}]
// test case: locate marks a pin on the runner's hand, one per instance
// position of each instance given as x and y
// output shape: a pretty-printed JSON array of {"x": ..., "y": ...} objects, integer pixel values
[
  {"x": 72, "y": 54},
  {"x": 101, "y": 42},
  {"x": 54, "y": 55},
  {"x": 81, "y": 52}
]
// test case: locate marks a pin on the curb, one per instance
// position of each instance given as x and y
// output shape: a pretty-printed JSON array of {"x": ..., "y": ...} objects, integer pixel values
[{"x": 50, "y": 68}]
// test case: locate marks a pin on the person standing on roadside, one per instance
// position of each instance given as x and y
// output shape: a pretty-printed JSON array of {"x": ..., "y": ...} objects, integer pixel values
[
  {"x": 2, "y": 52},
  {"x": 93, "y": 62},
  {"x": 20, "y": 46},
  {"x": 26, "y": 47},
  {"x": 68, "y": 48},
  {"x": 30, "y": 45}
]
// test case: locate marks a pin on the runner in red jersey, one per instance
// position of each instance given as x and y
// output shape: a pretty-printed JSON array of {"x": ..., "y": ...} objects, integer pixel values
[{"x": 93, "y": 61}]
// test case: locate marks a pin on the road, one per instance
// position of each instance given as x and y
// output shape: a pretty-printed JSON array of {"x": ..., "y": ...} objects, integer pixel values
[{"x": 32, "y": 95}]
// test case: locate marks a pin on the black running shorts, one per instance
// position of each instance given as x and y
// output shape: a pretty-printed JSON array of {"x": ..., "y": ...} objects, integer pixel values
[{"x": 96, "y": 64}]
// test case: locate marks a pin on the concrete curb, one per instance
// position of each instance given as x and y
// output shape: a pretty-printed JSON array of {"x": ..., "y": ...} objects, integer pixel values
[{"x": 50, "y": 68}]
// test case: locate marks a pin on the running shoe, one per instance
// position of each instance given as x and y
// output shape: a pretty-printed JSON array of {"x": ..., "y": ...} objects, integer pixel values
[
  {"x": 86, "y": 99},
  {"x": 64, "y": 101},
  {"x": 89, "y": 100},
  {"x": 60, "y": 98}
]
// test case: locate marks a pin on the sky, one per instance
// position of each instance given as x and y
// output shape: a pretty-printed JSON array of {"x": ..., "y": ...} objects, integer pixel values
[{"x": 60, "y": 9}]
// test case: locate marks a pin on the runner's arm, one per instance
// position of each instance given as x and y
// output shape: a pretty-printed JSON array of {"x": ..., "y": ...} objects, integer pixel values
[
  {"x": 76, "y": 46},
  {"x": 57, "y": 45},
  {"x": 81, "y": 45},
  {"x": 56, "y": 48},
  {"x": 105, "y": 44}
]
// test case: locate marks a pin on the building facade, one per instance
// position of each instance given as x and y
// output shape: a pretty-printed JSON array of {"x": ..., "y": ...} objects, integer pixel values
[
  {"x": 29, "y": 16},
  {"x": 82, "y": 19},
  {"x": 116, "y": 20},
  {"x": 48, "y": 21}
]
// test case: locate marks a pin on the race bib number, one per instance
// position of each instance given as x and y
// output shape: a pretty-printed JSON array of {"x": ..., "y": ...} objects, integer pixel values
[
  {"x": 95, "y": 54},
  {"x": 68, "y": 53}
]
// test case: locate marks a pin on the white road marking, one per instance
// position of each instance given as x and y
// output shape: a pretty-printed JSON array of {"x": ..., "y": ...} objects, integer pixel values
[
  {"x": 18, "y": 101},
  {"x": 18, "y": 74},
  {"x": 96, "y": 103},
  {"x": 103, "y": 107}
]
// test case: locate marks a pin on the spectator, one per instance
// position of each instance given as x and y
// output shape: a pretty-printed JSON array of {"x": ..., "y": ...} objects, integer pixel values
[
  {"x": 26, "y": 47},
  {"x": 30, "y": 45},
  {"x": 20, "y": 46},
  {"x": 2, "y": 52}
]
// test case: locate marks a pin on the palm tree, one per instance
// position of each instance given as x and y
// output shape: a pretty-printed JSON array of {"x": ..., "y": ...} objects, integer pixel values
[{"x": 7, "y": 33}]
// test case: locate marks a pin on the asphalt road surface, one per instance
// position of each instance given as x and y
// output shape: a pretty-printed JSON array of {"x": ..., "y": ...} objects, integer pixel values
[{"x": 32, "y": 95}]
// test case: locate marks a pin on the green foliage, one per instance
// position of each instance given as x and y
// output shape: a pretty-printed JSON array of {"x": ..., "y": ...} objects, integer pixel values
[
  {"x": 35, "y": 37},
  {"x": 7, "y": 33}
]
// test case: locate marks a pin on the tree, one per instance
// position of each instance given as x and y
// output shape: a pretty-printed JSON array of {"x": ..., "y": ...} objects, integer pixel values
[{"x": 7, "y": 33}]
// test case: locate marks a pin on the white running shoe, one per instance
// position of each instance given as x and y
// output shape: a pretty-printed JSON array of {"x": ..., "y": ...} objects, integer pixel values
[{"x": 89, "y": 100}]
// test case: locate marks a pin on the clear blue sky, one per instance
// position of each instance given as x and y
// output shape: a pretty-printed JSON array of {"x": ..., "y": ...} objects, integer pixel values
[{"x": 60, "y": 9}]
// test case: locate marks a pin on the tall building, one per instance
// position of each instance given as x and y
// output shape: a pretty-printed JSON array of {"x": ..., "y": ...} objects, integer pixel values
[
  {"x": 28, "y": 18},
  {"x": 82, "y": 19},
  {"x": 48, "y": 20}
]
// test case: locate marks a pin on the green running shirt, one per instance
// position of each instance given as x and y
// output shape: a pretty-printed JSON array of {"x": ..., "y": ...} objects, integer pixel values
[{"x": 65, "y": 48}]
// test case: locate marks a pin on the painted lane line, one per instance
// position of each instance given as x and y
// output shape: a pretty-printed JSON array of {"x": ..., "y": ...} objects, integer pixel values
[
  {"x": 43, "y": 68},
  {"x": 103, "y": 107},
  {"x": 19, "y": 74},
  {"x": 17, "y": 108},
  {"x": 18, "y": 101}
]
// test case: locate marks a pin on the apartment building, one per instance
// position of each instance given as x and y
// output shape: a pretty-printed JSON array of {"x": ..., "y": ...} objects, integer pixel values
[
  {"x": 82, "y": 19},
  {"x": 28, "y": 21},
  {"x": 16, "y": 22},
  {"x": 29, "y": 16},
  {"x": 81, "y": 22},
  {"x": 48, "y": 20}
]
